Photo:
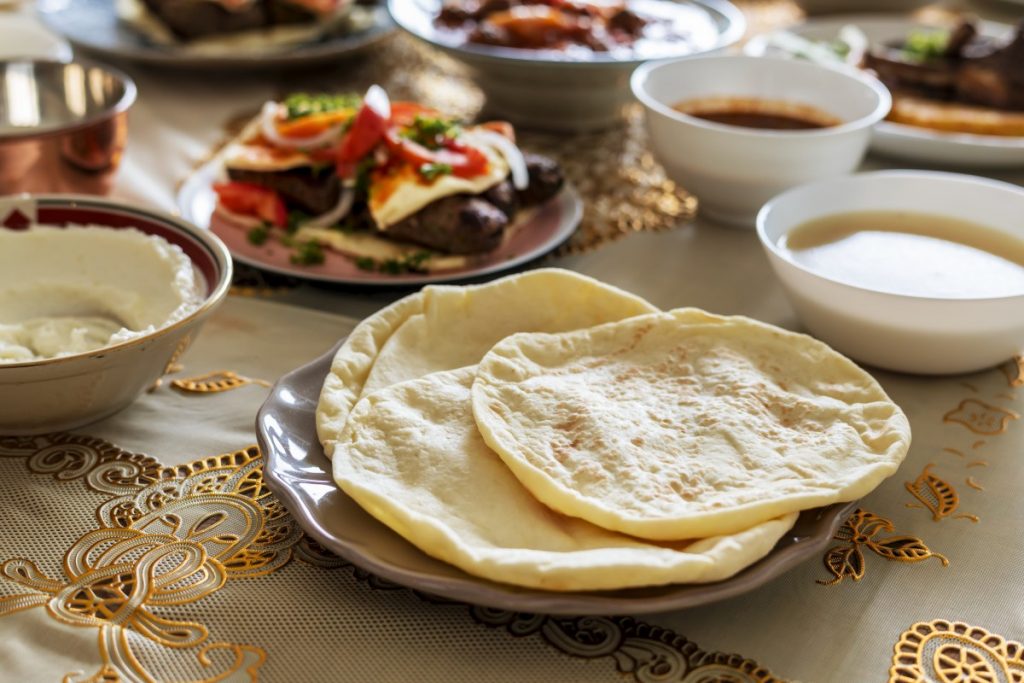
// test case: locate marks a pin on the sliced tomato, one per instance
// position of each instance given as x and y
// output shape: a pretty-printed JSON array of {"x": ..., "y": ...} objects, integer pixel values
[
  {"x": 314, "y": 124},
  {"x": 403, "y": 114},
  {"x": 465, "y": 161},
  {"x": 367, "y": 131},
  {"x": 253, "y": 200}
]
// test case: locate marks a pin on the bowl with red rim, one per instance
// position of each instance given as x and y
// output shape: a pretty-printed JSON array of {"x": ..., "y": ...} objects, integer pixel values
[{"x": 76, "y": 261}]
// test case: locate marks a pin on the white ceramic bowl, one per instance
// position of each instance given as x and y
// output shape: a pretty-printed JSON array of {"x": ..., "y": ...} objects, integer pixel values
[
  {"x": 69, "y": 391},
  {"x": 548, "y": 91},
  {"x": 734, "y": 170},
  {"x": 914, "y": 334}
]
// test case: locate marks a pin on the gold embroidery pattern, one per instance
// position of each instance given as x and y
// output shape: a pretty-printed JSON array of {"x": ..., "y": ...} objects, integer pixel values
[
  {"x": 1014, "y": 371},
  {"x": 861, "y": 531},
  {"x": 980, "y": 417},
  {"x": 938, "y": 495},
  {"x": 215, "y": 382},
  {"x": 643, "y": 651},
  {"x": 172, "y": 536},
  {"x": 168, "y": 536},
  {"x": 173, "y": 365},
  {"x": 954, "y": 651}
]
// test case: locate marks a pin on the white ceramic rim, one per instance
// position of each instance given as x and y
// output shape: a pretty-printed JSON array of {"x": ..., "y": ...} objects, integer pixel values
[
  {"x": 638, "y": 83},
  {"x": 123, "y": 104},
  {"x": 796, "y": 193},
  {"x": 218, "y": 290},
  {"x": 735, "y": 28}
]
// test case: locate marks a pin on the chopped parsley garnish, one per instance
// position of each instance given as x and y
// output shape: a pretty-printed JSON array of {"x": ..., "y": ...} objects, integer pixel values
[
  {"x": 305, "y": 104},
  {"x": 295, "y": 220},
  {"x": 408, "y": 264},
  {"x": 925, "y": 45},
  {"x": 308, "y": 254},
  {"x": 432, "y": 171},
  {"x": 259, "y": 235},
  {"x": 430, "y": 131}
]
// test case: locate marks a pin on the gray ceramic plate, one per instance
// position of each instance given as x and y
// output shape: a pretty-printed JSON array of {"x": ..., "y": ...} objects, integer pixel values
[
  {"x": 297, "y": 470},
  {"x": 93, "y": 25}
]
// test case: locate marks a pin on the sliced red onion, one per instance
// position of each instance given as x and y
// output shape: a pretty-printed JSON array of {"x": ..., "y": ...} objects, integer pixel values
[
  {"x": 339, "y": 211},
  {"x": 507, "y": 149},
  {"x": 377, "y": 99},
  {"x": 268, "y": 126}
]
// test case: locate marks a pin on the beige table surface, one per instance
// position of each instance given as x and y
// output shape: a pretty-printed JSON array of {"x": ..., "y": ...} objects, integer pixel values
[{"x": 930, "y": 572}]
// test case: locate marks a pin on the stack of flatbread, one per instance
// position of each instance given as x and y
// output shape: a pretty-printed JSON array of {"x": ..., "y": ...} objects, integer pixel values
[{"x": 551, "y": 431}]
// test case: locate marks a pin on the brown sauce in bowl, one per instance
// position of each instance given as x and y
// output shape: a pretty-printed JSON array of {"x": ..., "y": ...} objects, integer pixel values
[{"x": 756, "y": 113}]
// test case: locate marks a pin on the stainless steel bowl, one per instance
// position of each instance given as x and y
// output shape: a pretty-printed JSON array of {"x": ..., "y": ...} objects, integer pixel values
[{"x": 63, "y": 126}]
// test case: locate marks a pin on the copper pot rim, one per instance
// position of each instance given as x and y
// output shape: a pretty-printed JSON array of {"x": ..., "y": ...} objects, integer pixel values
[{"x": 118, "y": 108}]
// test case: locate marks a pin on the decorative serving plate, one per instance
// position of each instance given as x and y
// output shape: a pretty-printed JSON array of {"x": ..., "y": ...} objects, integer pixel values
[
  {"x": 723, "y": 22},
  {"x": 542, "y": 231},
  {"x": 94, "y": 25},
  {"x": 299, "y": 473},
  {"x": 912, "y": 142}
]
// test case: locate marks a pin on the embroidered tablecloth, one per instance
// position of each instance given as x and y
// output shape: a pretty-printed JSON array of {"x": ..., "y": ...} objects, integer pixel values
[{"x": 147, "y": 548}]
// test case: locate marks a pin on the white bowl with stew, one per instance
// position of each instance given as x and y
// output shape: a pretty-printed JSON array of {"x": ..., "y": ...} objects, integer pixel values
[
  {"x": 735, "y": 169},
  {"x": 571, "y": 89},
  {"x": 924, "y": 307}
]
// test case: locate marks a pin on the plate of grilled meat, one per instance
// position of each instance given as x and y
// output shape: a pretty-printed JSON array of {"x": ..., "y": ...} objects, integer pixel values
[{"x": 359, "y": 189}]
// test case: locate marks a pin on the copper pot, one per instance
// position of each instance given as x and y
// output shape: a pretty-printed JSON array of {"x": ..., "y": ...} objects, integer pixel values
[{"x": 63, "y": 126}]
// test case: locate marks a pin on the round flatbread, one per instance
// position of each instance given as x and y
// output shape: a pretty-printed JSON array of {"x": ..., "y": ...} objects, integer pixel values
[
  {"x": 684, "y": 424},
  {"x": 412, "y": 457},
  {"x": 446, "y": 327}
]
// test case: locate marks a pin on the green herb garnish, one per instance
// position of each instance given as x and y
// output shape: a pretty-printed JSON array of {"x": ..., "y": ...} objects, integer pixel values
[
  {"x": 295, "y": 221},
  {"x": 431, "y": 132},
  {"x": 305, "y": 104},
  {"x": 925, "y": 45},
  {"x": 412, "y": 263},
  {"x": 366, "y": 263},
  {"x": 308, "y": 254},
  {"x": 432, "y": 171},
  {"x": 259, "y": 235}
]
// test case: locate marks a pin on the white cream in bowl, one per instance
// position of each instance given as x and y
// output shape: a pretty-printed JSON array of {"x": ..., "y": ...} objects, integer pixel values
[
  {"x": 952, "y": 326},
  {"x": 65, "y": 291}
]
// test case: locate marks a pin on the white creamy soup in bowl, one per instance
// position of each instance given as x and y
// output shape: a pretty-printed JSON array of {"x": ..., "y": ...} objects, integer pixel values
[{"x": 70, "y": 290}]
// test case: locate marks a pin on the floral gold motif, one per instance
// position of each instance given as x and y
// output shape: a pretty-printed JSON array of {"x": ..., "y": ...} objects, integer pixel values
[
  {"x": 172, "y": 365},
  {"x": 973, "y": 483},
  {"x": 937, "y": 494},
  {"x": 215, "y": 382},
  {"x": 168, "y": 537},
  {"x": 1014, "y": 371},
  {"x": 861, "y": 531},
  {"x": 980, "y": 417},
  {"x": 942, "y": 650},
  {"x": 171, "y": 537},
  {"x": 953, "y": 451}
]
